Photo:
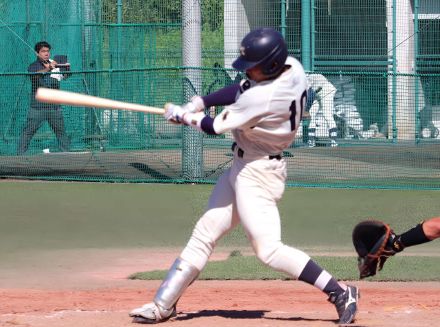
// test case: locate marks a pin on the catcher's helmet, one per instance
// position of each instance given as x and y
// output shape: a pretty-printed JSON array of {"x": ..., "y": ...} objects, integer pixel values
[{"x": 265, "y": 47}]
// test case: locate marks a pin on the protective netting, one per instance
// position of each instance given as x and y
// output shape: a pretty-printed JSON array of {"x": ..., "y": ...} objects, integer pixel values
[{"x": 374, "y": 66}]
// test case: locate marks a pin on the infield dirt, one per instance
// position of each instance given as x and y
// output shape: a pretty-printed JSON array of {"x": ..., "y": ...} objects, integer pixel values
[{"x": 90, "y": 288}]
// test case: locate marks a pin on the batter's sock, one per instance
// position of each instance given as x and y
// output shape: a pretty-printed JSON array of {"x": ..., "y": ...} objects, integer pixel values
[
  {"x": 414, "y": 236},
  {"x": 318, "y": 277}
]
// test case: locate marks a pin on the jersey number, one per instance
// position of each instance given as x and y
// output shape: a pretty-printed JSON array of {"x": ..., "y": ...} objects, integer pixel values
[{"x": 293, "y": 110}]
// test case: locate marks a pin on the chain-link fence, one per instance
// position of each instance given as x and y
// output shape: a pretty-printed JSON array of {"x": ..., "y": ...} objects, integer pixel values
[{"x": 374, "y": 65}]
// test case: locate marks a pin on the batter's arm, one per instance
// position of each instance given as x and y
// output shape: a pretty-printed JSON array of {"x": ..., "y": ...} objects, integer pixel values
[
  {"x": 227, "y": 95},
  {"x": 197, "y": 119},
  {"x": 233, "y": 116},
  {"x": 222, "y": 97}
]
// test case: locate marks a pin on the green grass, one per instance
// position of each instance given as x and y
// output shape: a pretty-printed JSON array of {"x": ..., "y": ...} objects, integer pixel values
[
  {"x": 40, "y": 216},
  {"x": 399, "y": 268}
]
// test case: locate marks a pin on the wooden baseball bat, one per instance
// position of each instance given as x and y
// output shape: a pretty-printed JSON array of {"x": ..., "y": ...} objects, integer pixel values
[{"x": 83, "y": 100}]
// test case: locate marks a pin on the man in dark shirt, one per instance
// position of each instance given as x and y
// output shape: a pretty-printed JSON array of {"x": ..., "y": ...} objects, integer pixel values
[{"x": 41, "y": 112}]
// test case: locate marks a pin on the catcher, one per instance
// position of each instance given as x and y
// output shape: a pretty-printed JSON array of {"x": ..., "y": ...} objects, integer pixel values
[{"x": 375, "y": 242}]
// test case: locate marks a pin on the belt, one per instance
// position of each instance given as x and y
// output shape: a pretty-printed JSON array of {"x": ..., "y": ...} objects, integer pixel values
[{"x": 240, "y": 153}]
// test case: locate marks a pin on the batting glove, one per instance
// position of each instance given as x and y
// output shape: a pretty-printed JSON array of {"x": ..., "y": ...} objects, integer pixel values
[
  {"x": 174, "y": 113},
  {"x": 195, "y": 105}
]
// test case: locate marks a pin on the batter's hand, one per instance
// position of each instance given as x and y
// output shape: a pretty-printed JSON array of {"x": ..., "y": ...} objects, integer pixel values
[
  {"x": 195, "y": 105},
  {"x": 174, "y": 113}
]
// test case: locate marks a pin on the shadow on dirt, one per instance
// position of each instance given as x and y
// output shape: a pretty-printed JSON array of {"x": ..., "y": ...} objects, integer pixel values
[{"x": 241, "y": 314}]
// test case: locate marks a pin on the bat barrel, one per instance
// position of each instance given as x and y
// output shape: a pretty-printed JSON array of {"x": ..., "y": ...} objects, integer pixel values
[{"x": 83, "y": 100}]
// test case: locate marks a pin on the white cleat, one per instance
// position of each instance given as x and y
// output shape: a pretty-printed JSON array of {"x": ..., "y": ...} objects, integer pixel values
[{"x": 151, "y": 313}]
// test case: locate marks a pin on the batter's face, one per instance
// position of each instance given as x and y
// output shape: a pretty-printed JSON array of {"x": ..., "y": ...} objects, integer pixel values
[
  {"x": 44, "y": 54},
  {"x": 256, "y": 74}
]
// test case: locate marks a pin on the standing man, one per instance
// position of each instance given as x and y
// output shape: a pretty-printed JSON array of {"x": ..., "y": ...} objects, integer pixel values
[
  {"x": 325, "y": 93},
  {"x": 263, "y": 113},
  {"x": 41, "y": 112}
]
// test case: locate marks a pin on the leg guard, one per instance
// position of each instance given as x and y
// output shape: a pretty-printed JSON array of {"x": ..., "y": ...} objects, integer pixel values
[
  {"x": 179, "y": 277},
  {"x": 163, "y": 307}
]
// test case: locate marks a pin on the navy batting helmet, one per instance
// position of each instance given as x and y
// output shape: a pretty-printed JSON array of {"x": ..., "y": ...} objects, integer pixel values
[{"x": 265, "y": 47}]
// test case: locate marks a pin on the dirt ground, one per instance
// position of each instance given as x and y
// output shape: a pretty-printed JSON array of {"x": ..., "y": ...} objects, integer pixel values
[{"x": 90, "y": 288}]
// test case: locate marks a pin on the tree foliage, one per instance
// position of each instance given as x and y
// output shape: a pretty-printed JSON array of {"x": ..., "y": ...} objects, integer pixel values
[{"x": 161, "y": 11}]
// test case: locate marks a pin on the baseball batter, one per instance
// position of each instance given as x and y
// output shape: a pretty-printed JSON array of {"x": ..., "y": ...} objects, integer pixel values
[{"x": 263, "y": 113}]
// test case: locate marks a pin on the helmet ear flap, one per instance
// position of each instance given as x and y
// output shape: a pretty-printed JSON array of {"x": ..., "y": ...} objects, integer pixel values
[
  {"x": 274, "y": 63},
  {"x": 272, "y": 68}
]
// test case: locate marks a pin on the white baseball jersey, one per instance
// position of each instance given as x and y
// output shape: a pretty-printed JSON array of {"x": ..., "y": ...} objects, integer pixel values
[{"x": 265, "y": 117}]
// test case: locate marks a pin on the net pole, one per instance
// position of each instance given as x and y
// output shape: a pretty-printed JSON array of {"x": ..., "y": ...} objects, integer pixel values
[
  {"x": 192, "y": 144},
  {"x": 305, "y": 35}
]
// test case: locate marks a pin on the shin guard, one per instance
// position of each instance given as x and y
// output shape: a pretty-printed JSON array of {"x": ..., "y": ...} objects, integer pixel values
[{"x": 179, "y": 277}]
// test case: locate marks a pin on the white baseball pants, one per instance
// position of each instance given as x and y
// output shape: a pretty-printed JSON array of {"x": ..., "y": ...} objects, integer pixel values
[{"x": 247, "y": 193}]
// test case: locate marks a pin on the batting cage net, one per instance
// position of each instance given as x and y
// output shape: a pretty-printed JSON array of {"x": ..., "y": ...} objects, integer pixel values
[{"x": 374, "y": 68}]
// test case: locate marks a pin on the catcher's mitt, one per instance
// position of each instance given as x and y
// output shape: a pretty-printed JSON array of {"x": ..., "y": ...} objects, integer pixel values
[{"x": 373, "y": 242}]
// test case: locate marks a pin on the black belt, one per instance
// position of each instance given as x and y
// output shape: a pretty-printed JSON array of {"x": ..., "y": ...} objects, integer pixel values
[{"x": 240, "y": 152}]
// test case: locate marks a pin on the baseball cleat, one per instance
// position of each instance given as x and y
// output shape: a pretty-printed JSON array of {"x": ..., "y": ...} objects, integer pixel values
[
  {"x": 151, "y": 313},
  {"x": 346, "y": 304}
]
